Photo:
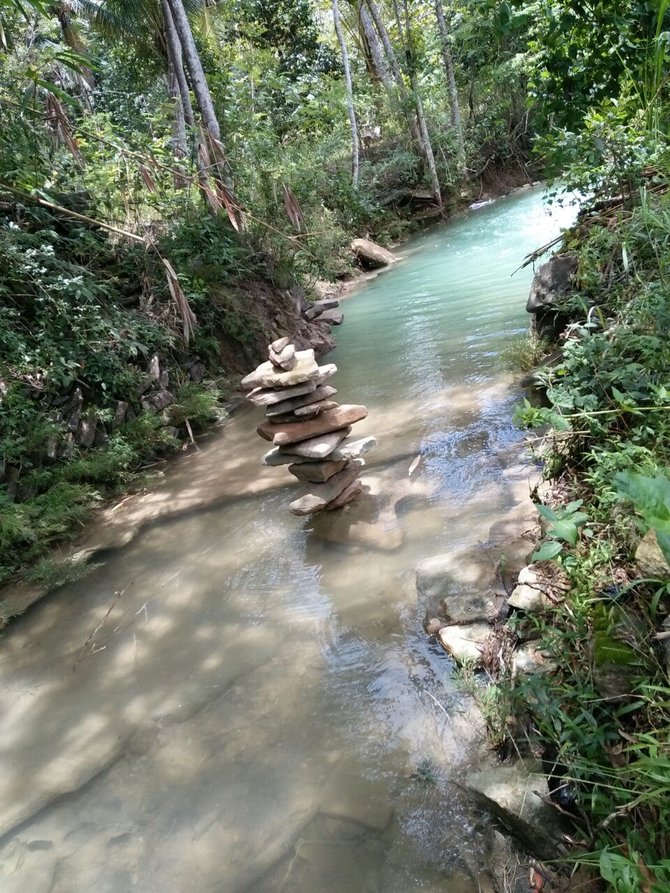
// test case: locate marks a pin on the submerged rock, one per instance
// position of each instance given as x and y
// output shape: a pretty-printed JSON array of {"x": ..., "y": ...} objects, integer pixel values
[
  {"x": 465, "y": 643},
  {"x": 317, "y": 496}
]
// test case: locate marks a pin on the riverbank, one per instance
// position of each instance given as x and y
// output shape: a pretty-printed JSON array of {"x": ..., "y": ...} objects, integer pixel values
[{"x": 593, "y": 607}]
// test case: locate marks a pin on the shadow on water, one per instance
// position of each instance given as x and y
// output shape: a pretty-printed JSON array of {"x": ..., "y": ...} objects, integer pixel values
[{"x": 238, "y": 700}]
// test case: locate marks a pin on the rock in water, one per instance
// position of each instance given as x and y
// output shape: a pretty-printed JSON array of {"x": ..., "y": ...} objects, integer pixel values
[
  {"x": 354, "y": 449},
  {"x": 277, "y": 457},
  {"x": 306, "y": 426},
  {"x": 317, "y": 496},
  {"x": 322, "y": 392},
  {"x": 270, "y": 396},
  {"x": 465, "y": 643},
  {"x": 330, "y": 420},
  {"x": 303, "y": 414},
  {"x": 371, "y": 254},
  {"x": 316, "y": 472},
  {"x": 317, "y": 447},
  {"x": 332, "y": 317},
  {"x": 346, "y": 496},
  {"x": 266, "y": 376}
]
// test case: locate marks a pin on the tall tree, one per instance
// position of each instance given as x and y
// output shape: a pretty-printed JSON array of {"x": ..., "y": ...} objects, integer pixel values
[
  {"x": 373, "y": 51},
  {"x": 448, "y": 61},
  {"x": 355, "y": 163},
  {"x": 201, "y": 90},
  {"x": 415, "y": 117}
]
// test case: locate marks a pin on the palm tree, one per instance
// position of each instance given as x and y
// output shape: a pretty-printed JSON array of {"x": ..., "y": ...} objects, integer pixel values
[{"x": 350, "y": 96}]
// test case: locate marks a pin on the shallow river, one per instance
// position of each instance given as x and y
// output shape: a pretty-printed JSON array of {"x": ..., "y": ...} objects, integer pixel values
[{"x": 238, "y": 700}]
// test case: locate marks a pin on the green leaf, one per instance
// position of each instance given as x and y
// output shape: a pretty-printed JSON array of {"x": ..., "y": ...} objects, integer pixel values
[
  {"x": 547, "y": 551},
  {"x": 565, "y": 530},
  {"x": 545, "y": 512}
]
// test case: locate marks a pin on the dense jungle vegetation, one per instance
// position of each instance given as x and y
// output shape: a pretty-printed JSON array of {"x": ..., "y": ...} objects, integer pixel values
[{"x": 159, "y": 157}]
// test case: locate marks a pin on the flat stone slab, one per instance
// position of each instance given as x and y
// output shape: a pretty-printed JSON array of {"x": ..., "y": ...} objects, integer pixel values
[
  {"x": 316, "y": 472},
  {"x": 267, "y": 376},
  {"x": 322, "y": 392},
  {"x": 331, "y": 420},
  {"x": 304, "y": 413},
  {"x": 346, "y": 496},
  {"x": 277, "y": 457},
  {"x": 319, "y": 307},
  {"x": 464, "y": 643},
  {"x": 332, "y": 317},
  {"x": 317, "y": 496},
  {"x": 354, "y": 449},
  {"x": 314, "y": 409},
  {"x": 271, "y": 396},
  {"x": 317, "y": 447}
]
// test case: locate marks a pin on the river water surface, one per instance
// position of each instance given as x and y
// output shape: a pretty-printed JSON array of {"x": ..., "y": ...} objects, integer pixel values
[{"x": 239, "y": 700}]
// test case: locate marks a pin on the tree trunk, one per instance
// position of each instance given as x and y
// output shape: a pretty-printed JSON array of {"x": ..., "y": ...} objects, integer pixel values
[
  {"x": 427, "y": 148},
  {"x": 397, "y": 74},
  {"x": 72, "y": 39},
  {"x": 176, "y": 63},
  {"x": 377, "y": 64},
  {"x": 200, "y": 88},
  {"x": 350, "y": 96},
  {"x": 454, "y": 104},
  {"x": 179, "y": 142}
]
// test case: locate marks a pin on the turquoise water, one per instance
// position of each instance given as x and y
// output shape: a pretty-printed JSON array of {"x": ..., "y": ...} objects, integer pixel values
[{"x": 241, "y": 701}]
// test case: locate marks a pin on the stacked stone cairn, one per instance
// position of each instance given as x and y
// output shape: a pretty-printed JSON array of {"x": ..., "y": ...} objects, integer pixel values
[{"x": 308, "y": 429}]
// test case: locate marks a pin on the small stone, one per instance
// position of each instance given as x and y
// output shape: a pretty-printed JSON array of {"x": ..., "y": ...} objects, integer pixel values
[
  {"x": 157, "y": 402},
  {"x": 465, "y": 643},
  {"x": 532, "y": 594},
  {"x": 196, "y": 370},
  {"x": 266, "y": 376},
  {"x": 315, "y": 409},
  {"x": 86, "y": 431},
  {"x": 317, "y": 496},
  {"x": 650, "y": 560},
  {"x": 528, "y": 659},
  {"x": 75, "y": 408},
  {"x": 285, "y": 358},
  {"x": 434, "y": 625},
  {"x": 322, "y": 392},
  {"x": 330, "y": 420},
  {"x": 154, "y": 368},
  {"x": 354, "y": 449},
  {"x": 120, "y": 412},
  {"x": 279, "y": 345},
  {"x": 316, "y": 472},
  {"x": 346, "y": 496}
]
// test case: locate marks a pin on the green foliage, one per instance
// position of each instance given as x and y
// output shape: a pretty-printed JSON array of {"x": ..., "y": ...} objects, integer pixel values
[{"x": 651, "y": 498}]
